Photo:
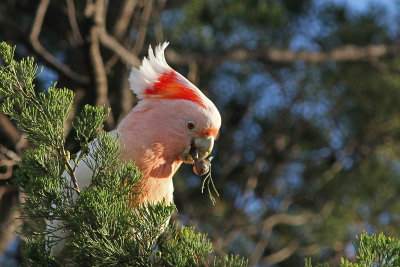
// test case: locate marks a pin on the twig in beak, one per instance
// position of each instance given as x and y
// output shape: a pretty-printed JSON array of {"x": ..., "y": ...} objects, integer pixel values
[{"x": 202, "y": 167}]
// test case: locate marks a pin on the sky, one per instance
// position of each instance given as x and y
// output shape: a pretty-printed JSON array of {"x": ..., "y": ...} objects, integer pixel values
[
  {"x": 361, "y": 6},
  {"x": 390, "y": 7}
]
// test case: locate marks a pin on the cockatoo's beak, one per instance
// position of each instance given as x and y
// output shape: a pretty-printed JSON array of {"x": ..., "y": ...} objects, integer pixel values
[{"x": 203, "y": 147}]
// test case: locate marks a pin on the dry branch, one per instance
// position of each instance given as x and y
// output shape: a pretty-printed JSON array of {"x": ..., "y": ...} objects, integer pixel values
[
  {"x": 125, "y": 55},
  {"x": 100, "y": 75},
  {"x": 8, "y": 159},
  {"x": 9, "y": 224},
  {"x": 279, "y": 218},
  {"x": 346, "y": 53},
  {"x": 122, "y": 23},
  {"x": 8, "y": 128},
  {"x": 284, "y": 56},
  {"x": 157, "y": 20},
  {"x": 284, "y": 218},
  {"x": 144, "y": 22},
  {"x": 72, "y": 21},
  {"x": 44, "y": 54},
  {"x": 9, "y": 198},
  {"x": 282, "y": 254}
]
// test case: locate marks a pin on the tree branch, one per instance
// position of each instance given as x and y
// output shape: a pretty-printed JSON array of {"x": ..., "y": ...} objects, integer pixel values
[
  {"x": 9, "y": 129},
  {"x": 112, "y": 41},
  {"x": 72, "y": 21},
  {"x": 7, "y": 165},
  {"x": 282, "y": 254},
  {"x": 44, "y": 54},
  {"x": 9, "y": 153},
  {"x": 8, "y": 159},
  {"x": 9, "y": 211},
  {"x": 121, "y": 25},
  {"x": 344, "y": 53},
  {"x": 95, "y": 55},
  {"x": 107, "y": 40},
  {"x": 144, "y": 22},
  {"x": 97, "y": 13},
  {"x": 126, "y": 56},
  {"x": 267, "y": 229},
  {"x": 193, "y": 72},
  {"x": 275, "y": 55},
  {"x": 127, "y": 97},
  {"x": 157, "y": 21},
  {"x": 382, "y": 67},
  {"x": 284, "y": 218}
]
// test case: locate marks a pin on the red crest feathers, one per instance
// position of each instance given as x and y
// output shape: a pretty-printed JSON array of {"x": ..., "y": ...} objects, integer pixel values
[{"x": 168, "y": 86}]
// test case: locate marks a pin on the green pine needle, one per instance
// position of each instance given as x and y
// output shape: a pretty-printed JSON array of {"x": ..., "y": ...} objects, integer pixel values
[
  {"x": 102, "y": 226},
  {"x": 207, "y": 181}
]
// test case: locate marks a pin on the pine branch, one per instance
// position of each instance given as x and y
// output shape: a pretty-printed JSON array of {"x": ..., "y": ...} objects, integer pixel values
[
  {"x": 99, "y": 225},
  {"x": 372, "y": 250}
]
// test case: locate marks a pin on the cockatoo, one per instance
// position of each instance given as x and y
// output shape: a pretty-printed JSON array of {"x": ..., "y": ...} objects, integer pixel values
[{"x": 172, "y": 118}]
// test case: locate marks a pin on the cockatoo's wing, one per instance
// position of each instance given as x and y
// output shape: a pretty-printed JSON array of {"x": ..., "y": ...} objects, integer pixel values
[{"x": 84, "y": 176}]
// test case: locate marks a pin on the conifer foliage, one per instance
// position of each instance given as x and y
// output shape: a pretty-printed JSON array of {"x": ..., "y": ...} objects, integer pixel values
[
  {"x": 101, "y": 225},
  {"x": 371, "y": 250}
]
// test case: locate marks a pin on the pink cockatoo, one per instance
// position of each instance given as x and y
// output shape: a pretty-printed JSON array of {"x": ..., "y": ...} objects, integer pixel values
[{"x": 172, "y": 117}]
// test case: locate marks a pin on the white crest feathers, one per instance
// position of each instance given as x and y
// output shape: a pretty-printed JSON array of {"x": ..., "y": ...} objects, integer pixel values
[{"x": 150, "y": 70}]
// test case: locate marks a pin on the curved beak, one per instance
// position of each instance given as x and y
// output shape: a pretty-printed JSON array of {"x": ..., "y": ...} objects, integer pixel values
[{"x": 203, "y": 147}]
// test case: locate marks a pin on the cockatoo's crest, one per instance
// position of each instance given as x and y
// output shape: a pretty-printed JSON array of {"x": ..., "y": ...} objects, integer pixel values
[{"x": 157, "y": 80}]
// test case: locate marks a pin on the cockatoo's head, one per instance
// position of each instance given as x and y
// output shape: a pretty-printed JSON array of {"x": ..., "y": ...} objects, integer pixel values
[{"x": 179, "y": 110}]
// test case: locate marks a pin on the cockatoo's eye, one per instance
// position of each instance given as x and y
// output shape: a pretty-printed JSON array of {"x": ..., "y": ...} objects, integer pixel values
[{"x": 190, "y": 125}]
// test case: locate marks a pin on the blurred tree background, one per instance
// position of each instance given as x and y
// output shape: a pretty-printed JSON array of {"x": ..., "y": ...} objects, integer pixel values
[{"x": 309, "y": 90}]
